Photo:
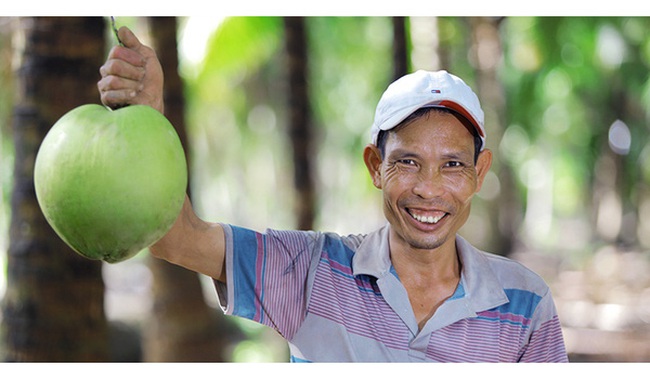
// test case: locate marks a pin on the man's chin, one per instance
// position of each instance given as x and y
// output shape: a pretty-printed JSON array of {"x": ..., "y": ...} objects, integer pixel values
[
  {"x": 423, "y": 241},
  {"x": 425, "y": 245}
]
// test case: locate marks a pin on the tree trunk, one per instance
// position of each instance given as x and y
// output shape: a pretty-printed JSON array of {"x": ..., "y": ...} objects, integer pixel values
[
  {"x": 300, "y": 122},
  {"x": 400, "y": 50},
  {"x": 503, "y": 210},
  {"x": 53, "y": 309},
  {"x": 183, "y": 328}
]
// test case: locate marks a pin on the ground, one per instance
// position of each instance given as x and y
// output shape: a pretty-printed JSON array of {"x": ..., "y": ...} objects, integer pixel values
[{"x": 604, "y": 306}]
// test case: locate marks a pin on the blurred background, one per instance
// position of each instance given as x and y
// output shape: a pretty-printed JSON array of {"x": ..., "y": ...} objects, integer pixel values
[{"x": 274, "y": 114}]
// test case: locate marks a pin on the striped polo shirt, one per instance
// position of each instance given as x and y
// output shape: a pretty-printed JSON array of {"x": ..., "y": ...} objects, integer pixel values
[{"x": 338, "y": 299}]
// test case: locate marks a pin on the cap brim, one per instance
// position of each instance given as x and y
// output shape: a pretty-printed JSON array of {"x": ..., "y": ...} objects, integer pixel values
[{"x": 463, "y": 112}]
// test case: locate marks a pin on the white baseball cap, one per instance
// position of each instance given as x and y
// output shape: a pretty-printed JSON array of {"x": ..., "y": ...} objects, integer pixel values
[{"x": 427, "y": 89}]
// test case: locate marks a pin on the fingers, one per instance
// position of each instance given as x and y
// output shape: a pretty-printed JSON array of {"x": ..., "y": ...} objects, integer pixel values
[
  {"x": 131, "y": 74},
  {"x": 134, "y": 51},
  {"x": 125, "y": 61},
  {"x": 116, "y": 92},
  {"x": 122, "y": 68},
  {"x": 120, "y": 82},
  {"x": 123, "y": 71}
]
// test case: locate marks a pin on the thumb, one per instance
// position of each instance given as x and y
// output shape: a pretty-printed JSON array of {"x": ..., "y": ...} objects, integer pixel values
[{"x": 128, "y": 38}]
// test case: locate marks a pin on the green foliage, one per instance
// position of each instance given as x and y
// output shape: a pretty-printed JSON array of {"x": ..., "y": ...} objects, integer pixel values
[
  {"x": 238, "y": 48},
  {"x": 350, "y": 66},
  {"x": 238, "y": 117},
  {"x": 236, "y": 112},
  {"x": 568, "y": 80},
  {"x": 6, "y": 142}
]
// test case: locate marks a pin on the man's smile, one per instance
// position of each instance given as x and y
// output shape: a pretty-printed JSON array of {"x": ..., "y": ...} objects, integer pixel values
[{"x": 426, "y": 216}]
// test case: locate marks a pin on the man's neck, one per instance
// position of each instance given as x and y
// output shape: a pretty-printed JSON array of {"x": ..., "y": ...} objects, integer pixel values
[
  {"x": 429, "y": 276},
  {"x": 441, "y": 263}
]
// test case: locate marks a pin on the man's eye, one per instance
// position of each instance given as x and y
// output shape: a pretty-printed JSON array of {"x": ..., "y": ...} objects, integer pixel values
[
  {"x": 406, "y": 162},
  {"x": 454, "y": 164}
]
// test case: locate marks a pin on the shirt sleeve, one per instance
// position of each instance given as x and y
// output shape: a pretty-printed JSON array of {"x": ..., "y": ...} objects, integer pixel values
[
  {"x": 546, "y": 342},
  {"x": 267, "y": 276}
]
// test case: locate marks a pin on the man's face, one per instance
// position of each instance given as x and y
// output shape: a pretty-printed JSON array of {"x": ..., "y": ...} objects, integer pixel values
[{"x": 428, "y": 178}]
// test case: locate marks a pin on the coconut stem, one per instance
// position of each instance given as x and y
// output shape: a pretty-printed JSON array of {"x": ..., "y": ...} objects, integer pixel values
[{"x": 115, "y": 31}]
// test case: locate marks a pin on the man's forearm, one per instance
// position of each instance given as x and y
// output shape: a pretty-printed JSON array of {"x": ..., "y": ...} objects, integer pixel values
[{"x": 194, "y": 244}]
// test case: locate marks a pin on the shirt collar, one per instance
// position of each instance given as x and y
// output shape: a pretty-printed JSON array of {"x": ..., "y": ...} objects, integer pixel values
[
  {"x": 481, "y": 285},
  {"x": 373, "y": 254}
]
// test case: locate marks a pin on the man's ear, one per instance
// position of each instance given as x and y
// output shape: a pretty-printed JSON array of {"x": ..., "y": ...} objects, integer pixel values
[
  {"x": 372, "y": 158},
  {"x": 483, "y": 165}
]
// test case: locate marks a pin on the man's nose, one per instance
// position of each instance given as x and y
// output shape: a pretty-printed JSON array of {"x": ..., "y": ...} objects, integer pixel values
[{"x": 429, "y": 184}]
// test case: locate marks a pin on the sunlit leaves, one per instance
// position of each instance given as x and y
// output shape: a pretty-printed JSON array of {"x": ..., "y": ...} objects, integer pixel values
[{"x": 239, "y": 47}]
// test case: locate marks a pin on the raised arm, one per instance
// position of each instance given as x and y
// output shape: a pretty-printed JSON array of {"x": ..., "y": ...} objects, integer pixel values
[{"x": 132, "y": 74}]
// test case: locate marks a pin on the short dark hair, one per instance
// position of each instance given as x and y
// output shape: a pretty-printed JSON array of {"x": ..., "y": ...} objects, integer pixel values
[{"x": 383, "y": 134}]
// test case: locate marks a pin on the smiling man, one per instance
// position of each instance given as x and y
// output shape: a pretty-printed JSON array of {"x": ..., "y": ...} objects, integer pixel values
[
  {"x": 429, "y": 168},
  {"x": 412, "y": 291}
]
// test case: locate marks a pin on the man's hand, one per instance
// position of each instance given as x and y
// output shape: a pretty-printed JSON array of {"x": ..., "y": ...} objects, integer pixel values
[{"x": 131, "y": 74}]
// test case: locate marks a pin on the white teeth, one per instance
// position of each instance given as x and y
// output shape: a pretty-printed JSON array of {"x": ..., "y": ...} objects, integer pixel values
[{"x": 429, "y": 219}]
